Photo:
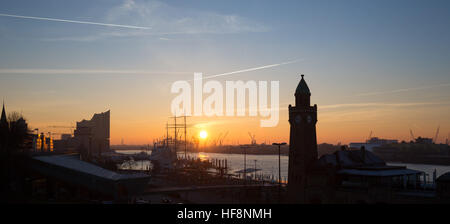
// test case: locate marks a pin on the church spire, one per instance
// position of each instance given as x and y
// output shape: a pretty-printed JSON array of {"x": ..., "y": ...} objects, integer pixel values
[{"x": 3, "y": 119}]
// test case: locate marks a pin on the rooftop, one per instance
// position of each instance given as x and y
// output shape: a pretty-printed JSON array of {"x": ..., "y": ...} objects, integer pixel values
[
  {"x": 74, "y": 163},
  {"x": 302, "y": 87},
  {"x": 352, "y": 159},
  {"x": 379, "y": 173},
  {"x": 444, "y": 178}
]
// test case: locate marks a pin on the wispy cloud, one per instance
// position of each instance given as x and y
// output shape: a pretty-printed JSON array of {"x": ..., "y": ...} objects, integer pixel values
[
  {"x": 143, "y": 72},
  {"x": 74, "y": 21},
  {"x": 85, "y": 71},
  {"x": 167, "y": 20},
  {"x": 404, "y": 90},
  {"x": 380, "y": 104}
]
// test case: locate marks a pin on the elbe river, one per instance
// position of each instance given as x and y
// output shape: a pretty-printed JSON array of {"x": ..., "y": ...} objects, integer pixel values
[{"x": 267, "y": 165}]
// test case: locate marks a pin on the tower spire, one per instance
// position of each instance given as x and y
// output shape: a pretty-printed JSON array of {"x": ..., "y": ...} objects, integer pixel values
[
  {"x": 3, "y": 119},
  {"x": 302, "y": 93}
]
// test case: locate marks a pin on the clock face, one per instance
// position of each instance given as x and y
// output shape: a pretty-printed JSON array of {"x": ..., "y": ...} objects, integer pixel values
[
  {"x": 309, "y": 118},
  {"x": 298, "y": 119}
]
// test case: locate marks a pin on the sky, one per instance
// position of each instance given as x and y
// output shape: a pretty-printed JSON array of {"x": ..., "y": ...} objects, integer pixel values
[{"x": 380, "y": 66}]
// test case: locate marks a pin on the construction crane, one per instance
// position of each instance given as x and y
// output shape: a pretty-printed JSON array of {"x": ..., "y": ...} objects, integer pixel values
[
  {"x": 412, "y": 135},
  {"x": 436, "y": 136},
  {"x": 252, "y": 137},
  {"x": 370, "y": 135},
  {"x": 52, "y": 134},
  {"x": 56, "y": 126},
  {"x": 214, "y": 142},
  {"x": 62, "y": 127},
  {"x": 223, "y": 137}
]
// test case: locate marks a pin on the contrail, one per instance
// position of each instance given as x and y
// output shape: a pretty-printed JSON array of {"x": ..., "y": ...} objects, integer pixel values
[
  {"x": 75, "y": 21},
  {"x": 403, "y": 90},
  {"x": 251, "y": 69}
]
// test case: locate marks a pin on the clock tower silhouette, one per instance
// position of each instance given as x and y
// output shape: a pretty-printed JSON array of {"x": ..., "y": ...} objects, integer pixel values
[{"x": 302, "y": 141}]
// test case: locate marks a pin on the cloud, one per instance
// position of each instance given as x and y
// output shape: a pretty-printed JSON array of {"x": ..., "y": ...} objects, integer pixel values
[
  {"x": 164, "y": 18},
  {"x": 74, "y": 21},
  {"x": 404, "y": 90},
  {"x": 84, "y": 71},
  {"x": 353, "y": 105},
  {"x": 167, "y": 20}
]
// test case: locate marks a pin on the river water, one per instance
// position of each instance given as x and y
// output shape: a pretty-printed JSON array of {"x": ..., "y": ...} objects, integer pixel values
[{"x": 268, "y": 164}]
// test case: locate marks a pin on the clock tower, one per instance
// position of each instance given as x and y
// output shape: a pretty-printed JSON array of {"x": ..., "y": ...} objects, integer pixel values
[{"x": 302, "y": 142}]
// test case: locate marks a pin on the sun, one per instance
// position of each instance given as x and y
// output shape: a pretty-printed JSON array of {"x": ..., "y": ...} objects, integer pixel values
[{"x": 203, "y": 134}]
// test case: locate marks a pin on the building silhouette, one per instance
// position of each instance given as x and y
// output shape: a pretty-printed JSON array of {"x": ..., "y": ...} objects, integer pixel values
[
  {"x": 42, "y": 143},
  {"x": 302, "y": 141},
  {"x": 92, "y": 136},
  {"x": 90, "y": 139}
]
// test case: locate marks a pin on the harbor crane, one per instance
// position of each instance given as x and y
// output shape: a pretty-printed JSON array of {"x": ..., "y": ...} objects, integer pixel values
[
  {"x": 64, "y": 127},
  {"x": 252, "y": 137},
  {"x": 51, "y": 134},
  {"x": 56, "y": 126},
  {"x": 219, "y": 139},
  {"x": 223, "y": 138},
  {"x": 370, "y": 135},
  {"x": 214, "y": 142},
  {"x": 412, "y": 135},
  {"x": 436, "y": 136}
]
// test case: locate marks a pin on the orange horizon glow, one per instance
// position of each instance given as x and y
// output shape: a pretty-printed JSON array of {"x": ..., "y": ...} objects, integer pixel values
[{"x": 334, "y": 126}]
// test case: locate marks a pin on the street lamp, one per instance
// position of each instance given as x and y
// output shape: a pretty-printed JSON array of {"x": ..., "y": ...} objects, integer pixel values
[
  {"x": 255, "y": 169},
  {"x": 279, "y": 160},
  {"x": 245, "y": 162}
]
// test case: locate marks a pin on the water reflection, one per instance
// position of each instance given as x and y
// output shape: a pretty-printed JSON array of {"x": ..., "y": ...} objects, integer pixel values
[
  {"x": 203, "y": 157},
  {"x": 267, "y": 163}
]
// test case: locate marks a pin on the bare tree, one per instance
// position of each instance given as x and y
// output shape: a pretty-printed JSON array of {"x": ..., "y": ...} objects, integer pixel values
[{"x": 14, "y": 116}]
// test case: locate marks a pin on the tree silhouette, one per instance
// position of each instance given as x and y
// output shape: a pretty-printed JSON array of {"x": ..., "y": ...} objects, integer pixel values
[{"x": 14, "y": 139}]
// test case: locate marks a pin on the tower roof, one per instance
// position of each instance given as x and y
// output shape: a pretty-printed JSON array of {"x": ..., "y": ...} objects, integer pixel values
[
  {"x": 302, "y": 87},
  {"x": 3, "y": 118}
]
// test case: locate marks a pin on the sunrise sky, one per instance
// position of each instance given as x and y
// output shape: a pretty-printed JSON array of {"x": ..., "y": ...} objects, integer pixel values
[{"x": 381, "y": 66}]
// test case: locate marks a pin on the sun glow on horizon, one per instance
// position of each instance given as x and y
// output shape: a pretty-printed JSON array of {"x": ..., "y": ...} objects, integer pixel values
[{"x": 203, "y": 134}]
